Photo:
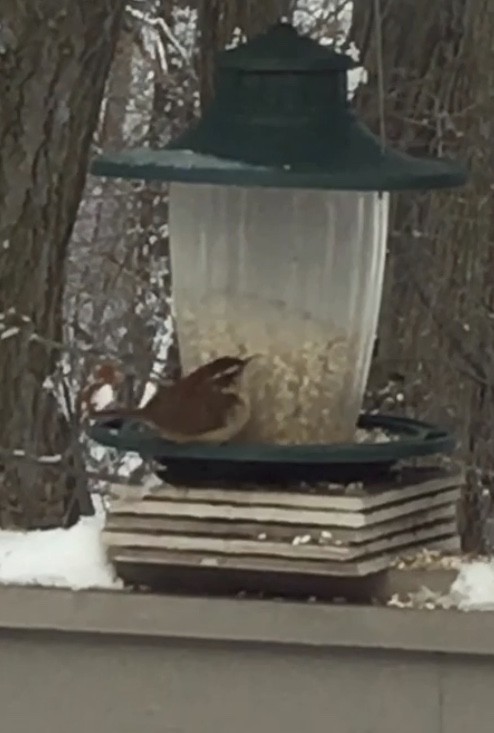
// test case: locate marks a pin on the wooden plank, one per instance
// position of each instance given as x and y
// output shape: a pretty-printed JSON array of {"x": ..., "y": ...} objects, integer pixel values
[
  {"x": 371, "y": 499},
  {"x": 277, "y": 515},
  {"x": 279, "y": 532},
  {"x": 277, "y": 549},
  {"x": 163, "y": 558},
  {"x": 171, "y": 560}
]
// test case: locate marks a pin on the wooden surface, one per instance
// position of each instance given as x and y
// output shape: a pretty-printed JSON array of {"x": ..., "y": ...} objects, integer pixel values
[
  {"x": 326, "y": 515},
  {"x": 262, "y": 533},
  {"x": 283, "y": 532},
  {"x": 412, "y": 483},
  {"x": 254, "y": 547},
  {"x": 121, "y": 662}
]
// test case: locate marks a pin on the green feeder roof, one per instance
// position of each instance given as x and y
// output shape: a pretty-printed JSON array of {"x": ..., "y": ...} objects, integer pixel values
[{"x": 281, "y": 118}]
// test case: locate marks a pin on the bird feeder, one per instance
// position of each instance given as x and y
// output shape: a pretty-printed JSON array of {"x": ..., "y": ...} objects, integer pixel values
[{"x": 279, "y": 203}]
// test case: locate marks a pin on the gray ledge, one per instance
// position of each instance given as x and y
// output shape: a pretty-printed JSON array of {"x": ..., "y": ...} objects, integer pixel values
[{"x": 245, "y": 621}]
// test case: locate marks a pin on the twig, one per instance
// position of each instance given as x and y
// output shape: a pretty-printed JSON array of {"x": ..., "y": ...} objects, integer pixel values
[
  {"x": 164, "y": 33},
  {"x": 475, "y": 372},
  {"x": 60, "y": 463},
  {"x": 18, "y": 454},
  {"x": 76, "y": 350}
]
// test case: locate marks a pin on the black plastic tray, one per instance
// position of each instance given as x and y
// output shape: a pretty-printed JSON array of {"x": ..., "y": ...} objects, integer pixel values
[{"x": 197, "y": 464}]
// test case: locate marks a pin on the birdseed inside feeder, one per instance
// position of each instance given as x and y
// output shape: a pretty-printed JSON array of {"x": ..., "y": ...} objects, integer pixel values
[{"x": 278, "y": 224}]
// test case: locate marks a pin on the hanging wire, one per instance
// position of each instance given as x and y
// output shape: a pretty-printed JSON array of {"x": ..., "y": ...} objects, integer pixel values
[{"x": 380, "y": 72}]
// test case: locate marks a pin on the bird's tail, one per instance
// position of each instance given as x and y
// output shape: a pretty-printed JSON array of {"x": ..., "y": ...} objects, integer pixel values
[{"x": 115, "y": 413}]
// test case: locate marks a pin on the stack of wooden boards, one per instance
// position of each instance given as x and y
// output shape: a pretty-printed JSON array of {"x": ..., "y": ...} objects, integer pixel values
[{"x": 260, "y": 539}]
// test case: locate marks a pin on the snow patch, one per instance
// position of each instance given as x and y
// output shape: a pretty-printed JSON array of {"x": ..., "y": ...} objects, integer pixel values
[
  {"x": 149, "y": 391},
  {"x": 473, "y": 589},
  {"x": 65, "y": 558},
  {"x": 102, "y": 397},
  {"x": 9, "y": 332}
]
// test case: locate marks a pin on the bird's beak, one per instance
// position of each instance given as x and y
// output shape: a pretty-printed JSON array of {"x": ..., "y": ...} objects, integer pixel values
[{"x": 252, "y": 357}]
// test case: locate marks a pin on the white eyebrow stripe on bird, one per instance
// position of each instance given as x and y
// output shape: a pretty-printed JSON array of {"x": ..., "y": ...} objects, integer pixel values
[{"x": 230, "y": 372}]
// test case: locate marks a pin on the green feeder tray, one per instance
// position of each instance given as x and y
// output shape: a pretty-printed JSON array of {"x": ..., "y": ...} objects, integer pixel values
[{"x": 198, "y": 465}]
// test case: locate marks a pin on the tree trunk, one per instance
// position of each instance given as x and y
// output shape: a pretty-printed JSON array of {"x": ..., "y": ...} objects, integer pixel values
[
  {"x": 218, "y": 19},
  {"x": 437, "y": 315},
  {"x": 54, "y": 61},
  {"x": 151, "y": 258}
]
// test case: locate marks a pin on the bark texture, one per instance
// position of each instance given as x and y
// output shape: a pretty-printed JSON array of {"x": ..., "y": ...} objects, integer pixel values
[
  {"x": 54, "y": 59},
  {"x": 438, "y": 310},
  {"x": 170, "y": 114}
]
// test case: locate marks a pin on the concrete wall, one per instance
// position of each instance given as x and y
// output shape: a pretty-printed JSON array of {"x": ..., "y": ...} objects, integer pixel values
[{"x": 118, "y": 663}]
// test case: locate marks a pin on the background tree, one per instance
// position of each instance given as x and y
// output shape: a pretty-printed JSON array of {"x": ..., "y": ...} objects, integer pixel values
[
  {"x": 54, "y": 60},
  {"x": 438, "y": 311},
  {"x": 436, "y": 347}
]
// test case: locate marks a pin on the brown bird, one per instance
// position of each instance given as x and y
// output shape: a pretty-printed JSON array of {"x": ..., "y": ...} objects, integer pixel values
[{"x": 209, "y": 405}]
